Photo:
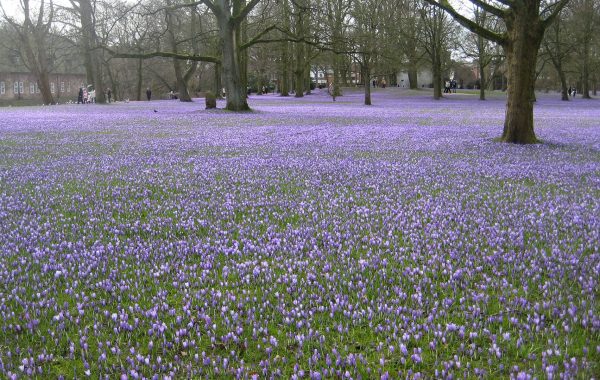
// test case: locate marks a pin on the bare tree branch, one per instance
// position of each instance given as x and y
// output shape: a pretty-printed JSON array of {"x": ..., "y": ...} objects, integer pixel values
[
  {"x": 469, "y": 24},
  {"x": 165, "y": 54},
  {"x": 555, "y": 10}
]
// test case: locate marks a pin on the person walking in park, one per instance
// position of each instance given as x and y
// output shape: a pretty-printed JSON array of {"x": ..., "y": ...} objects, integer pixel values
[
  {"x": 108, "y": 95},
  {"x": 331, "y": 90},
  {"x": 80, "y": 96},
  {"x": 148, "y": 93}
]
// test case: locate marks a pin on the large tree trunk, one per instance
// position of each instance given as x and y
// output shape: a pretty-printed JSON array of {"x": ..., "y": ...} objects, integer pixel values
[
  {"x": 521, "y": 55},
  {"x": 299, "y": 70},
  {"x": 437, "y": 77},
  {"x": 138, "y": 93},
  {"x": 113, "y": 83},
  {"x": 563, "y": 83},
  {"x": 481, "y": 82},
  {"x": 44, "y": 86},
  {"x": 184, "y": 94},
  {"x": 412, "y": 78},
  {"x": 336, "y": 89},
  {"x": 585, "y": 75},
  {"x": 218, "y": 82},
  {"x": 235, "y": 95},
  {"x": 284, "y": 86},
  {"x": 366, "y": 74},
  {"x": 307, "y": 79}
]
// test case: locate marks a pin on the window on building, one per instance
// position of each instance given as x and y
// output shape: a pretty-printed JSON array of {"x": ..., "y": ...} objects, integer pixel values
[
  {"x": 37, "y": 89},
  {"x": 62, "y": 86},
  {"x": 2, "y": 88},
  {"x": 69, "y": 87},
  {"x": 32, "y": 88},
  {"x": 16, "y": 87},
  {"x": 21, "y": 88},
  {"x": 52, "y": 87}
]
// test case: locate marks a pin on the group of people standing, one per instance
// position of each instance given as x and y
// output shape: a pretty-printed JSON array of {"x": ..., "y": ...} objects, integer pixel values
[
  {"x": 382, "y": 83},
  {"x": 572, "y": 91},
  {"x": 450, "y": 86},
  {"x": 84, "y": 96}
]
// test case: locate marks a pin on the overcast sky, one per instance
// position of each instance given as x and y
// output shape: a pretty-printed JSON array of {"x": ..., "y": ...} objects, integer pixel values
[{"x": 14, "y": 9}]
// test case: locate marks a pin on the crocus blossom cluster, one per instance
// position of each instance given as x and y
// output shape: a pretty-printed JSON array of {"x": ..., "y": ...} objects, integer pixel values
[{"x": 306, "y": 239}]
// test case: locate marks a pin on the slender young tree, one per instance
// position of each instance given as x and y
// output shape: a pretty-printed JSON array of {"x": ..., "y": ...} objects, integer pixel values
[
  {"x": 481, "y": 49},
  {"x": 435, "y": 39},
  {"x": 585, "y": 28},
  {"x": 525, "y": 22},
  {"x": 410, "y": 27},
  {"x": 558, "y": 47},
  {"x": 173, "y": 26}
]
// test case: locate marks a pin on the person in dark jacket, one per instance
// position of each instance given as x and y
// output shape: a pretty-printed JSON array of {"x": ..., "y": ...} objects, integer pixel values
[
  {"x": 148, "y": 93},
  {"x": 80, "y": 96}
]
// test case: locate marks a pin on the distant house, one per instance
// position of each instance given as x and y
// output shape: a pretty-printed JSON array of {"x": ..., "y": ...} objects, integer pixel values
[{"x": 18, "y": 83}]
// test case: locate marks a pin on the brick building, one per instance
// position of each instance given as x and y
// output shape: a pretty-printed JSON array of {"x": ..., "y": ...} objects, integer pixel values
[{"x": 18, "y": 83}]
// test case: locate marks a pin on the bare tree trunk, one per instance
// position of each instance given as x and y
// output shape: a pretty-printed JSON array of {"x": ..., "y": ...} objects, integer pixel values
[
  {"x": 563, "y": 84},
  {"x": 366, "y": 73},
  {"x": 184, "y": 95},
  {"x": 336, "y": 75},
  {"x": 412, "y": 78},
  {"x": 113, "y": 83},
  {"x": 218, "y": 84},
  {"x": 299, "y": 70},
  {"x": 585, "y": 75},
  {"x": 235, "y": 94},
  {"x": 481, "y": 82},
  {"x": 437, "y": 76},
  {"x": 284, "y": 88},
  {"x": 307, "y": 79},
  {"x": 140, "y": 78},
  {"x": 32, "y": 38},
  {"x": 44, "y": 85},
  {"x": 92, "y": 58},
  {"x": 521, "y": 54}
]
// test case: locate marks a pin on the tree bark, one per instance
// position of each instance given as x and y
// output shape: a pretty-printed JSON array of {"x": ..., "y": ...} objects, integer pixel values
[
  {"x": 299, "y": 70},
  {"x": 413, "y": 79},
  {"x": 437, "y": 76},
  {"x": 139, "y": 80},
  {"x": 92, "y": 58},
  {"x": 115, "y": 88},
  {"x": 218, "y": 85},
  {"x": 284, "y": 87},
  {"x": 481, "y": 82},
  {"x": 563, "y": 85},
  {"x": 521, "y": 54},
  {"x": 366, "y": 74},
  {"x": 234, "y": 93},
  {"x": 585, "y": 74},
  {"x": 182, "y": 88}
]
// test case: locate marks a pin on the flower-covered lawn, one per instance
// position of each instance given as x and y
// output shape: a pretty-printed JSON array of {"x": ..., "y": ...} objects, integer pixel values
[{"x": 307, "y": 240}]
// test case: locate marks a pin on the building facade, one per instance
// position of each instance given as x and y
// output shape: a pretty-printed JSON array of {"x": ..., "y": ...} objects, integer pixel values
[{"x": 19, "y": 85}]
